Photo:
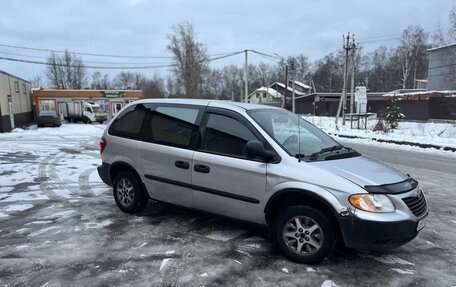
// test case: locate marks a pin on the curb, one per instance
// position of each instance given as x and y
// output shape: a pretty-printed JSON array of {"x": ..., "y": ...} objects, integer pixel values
[{"x": 421, "y": 145}]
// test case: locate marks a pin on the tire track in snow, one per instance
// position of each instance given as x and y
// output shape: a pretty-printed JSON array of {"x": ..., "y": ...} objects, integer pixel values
[
  {"x": 84, "y": 184},
  {"x": 44, "y": 184}
]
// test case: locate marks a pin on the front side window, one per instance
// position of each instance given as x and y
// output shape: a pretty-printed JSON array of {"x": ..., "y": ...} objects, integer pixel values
[
  {"x": 24, "y": 90},
  {"x": 16, "y": 86},
  {"x": 174, "y": 126},
  {"x": 293, "y": 133},
  {"x": 129, "y": 123},
  {"x": 226, "y": 136}
]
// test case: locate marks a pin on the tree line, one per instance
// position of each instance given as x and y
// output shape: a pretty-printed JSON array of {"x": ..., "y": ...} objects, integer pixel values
[{"x": 381, "y": 70}]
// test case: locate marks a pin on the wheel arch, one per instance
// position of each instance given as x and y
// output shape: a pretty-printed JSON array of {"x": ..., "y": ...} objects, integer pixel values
[
  {"x": 120, "y": 166},
  {"x": 293, "y": 196}
]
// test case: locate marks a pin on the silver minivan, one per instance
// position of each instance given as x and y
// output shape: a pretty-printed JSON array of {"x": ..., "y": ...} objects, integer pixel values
[{"x": 263, "y": 165}]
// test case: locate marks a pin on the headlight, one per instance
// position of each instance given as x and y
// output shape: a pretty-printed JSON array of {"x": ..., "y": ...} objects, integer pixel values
[{"x": 372, "y": 202}]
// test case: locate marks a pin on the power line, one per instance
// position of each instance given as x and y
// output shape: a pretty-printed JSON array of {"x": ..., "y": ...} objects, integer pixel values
[
  {"x": 86, "y": 54},
  {"x": 96, "y": 54},
  {"x": 267, "y": 58},
  {"x": 116, "y": 68},
  {"x": 266, "y": 55},
  {"x": 396, "y": 36},
  {"x": 85, "y": 61},
  {"x": 88, "y": 67}
]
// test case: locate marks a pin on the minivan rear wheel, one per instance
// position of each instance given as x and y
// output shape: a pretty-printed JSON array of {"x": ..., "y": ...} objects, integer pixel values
[
  {"x": 128, "y": 194},
  {"x": 304, "y": 234}
]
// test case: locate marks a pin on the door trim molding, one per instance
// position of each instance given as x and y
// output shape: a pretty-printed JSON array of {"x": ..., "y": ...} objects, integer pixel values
[{"x": 204, "y": 189}]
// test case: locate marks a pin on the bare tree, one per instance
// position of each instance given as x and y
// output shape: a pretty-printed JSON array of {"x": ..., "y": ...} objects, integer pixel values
[
  {"x": 139, "y": 80},
  {"x": 125, "y": 80},
  {"x": 190, "y": 60},
  {"x": 412, "y": 54},
  {"x": 37, "y": 82},
  {"x": 100, "y": 82},
  {"x": 153, "y": 88},
  {"x": 54, "y": 71},
  {"x": 446, "y": 36},
  {"x": 66, "y": 71}
]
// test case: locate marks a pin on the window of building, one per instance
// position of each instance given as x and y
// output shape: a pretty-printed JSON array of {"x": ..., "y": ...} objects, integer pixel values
[
  {"x": 174, "y": 126},
  {"x": 257, "y": 95},
  {"x": 264, "y": 95},
  {"x": 47, "y": 105},
  {"x": 129, "y": 123},
  {"x": 16, "y": 86},
  {"x": 226, "y": 136},
  {"x": 24, "y": 90}
]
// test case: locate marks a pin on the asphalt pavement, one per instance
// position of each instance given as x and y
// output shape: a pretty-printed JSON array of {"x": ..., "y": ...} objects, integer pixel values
[{"x": 61, "y": 227}]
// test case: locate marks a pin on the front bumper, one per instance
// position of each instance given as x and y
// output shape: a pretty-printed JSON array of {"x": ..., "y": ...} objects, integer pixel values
[
  {"x": 373, "y": 235},
  {"x": 103, "y": 172}
]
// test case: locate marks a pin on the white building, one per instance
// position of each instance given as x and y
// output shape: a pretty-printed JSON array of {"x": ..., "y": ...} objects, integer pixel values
[
  {"x": 15, "y": 102},
  {"x": 265, "y": 95}
]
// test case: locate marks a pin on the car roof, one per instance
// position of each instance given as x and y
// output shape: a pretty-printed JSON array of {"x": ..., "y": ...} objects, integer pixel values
[{"x": 208, "y": 102}]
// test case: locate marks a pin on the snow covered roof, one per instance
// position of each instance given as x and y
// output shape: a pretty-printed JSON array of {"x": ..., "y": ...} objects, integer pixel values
[
  {"x": 288, "y": 88},
  {"x": 421, "y": 94},
  {"x": 442, "y": 47},
  {"x": 270, "y": 91},
  {"x": 304, "y": 86}
]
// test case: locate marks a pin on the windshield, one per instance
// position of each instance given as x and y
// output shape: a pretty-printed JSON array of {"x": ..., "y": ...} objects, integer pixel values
[
  {"x": 294, "y": 134},
  {"x": 96, "y": 109}
]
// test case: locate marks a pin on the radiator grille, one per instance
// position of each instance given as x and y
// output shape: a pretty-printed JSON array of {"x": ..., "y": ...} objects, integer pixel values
[{"x": 416, "y": 204}]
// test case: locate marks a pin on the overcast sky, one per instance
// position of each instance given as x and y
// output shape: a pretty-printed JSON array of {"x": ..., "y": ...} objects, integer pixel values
[{"x": 140, "y": 27}]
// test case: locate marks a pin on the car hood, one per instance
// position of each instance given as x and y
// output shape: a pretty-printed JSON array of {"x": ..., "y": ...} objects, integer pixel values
[{"x": 362, "y": 170}]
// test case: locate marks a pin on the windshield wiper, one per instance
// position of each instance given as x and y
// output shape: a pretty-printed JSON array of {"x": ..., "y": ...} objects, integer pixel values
[{"x": 315, "y": 155}]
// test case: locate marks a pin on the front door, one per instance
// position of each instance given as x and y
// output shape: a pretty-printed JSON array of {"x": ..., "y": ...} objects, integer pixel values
[
  {"x": 167, "y": 152},
  {"x": 224, "y": 180}
]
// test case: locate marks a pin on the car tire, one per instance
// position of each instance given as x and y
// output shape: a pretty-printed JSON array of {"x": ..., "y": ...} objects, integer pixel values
[
  {"x": 128, "y": 193},
  {"x": 101, "y": 122},
  {"x": 304, "y": 234},
  {"x": 87, "y": 121}
]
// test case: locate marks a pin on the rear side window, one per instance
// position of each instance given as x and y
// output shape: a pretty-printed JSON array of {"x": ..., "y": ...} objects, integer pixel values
[
  {"x": 129, "y": 123},
  {"x": 174, "y": 126},
  {"x": 226, "y": 136}
]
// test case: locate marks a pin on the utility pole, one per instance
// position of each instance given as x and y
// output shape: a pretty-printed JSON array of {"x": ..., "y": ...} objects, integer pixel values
[
  {"x": 353, "y": 63},
  {"x": 286, "y": 86},
  {"x": 349, "y": 44},
  {"x": 246, "y": 77},
  {"x": 293, "y": 107}
]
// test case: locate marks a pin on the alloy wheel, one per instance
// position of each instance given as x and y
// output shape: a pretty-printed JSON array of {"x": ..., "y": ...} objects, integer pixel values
[{"x": 303, "y": 235}]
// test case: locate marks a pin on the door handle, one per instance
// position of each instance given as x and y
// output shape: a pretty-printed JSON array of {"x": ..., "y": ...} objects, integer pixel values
[
  {"x": 201, "y": 168},
  {"x": 182, "y": 164}
]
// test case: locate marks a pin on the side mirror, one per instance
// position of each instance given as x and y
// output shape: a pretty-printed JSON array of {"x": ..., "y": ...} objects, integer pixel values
[{"x": 256, "y": 149}]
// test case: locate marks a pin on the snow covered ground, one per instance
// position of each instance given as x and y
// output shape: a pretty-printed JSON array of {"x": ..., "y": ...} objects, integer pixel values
[
  {"x": 440, "y": 134},
  {"x": 59, "y": 226}
]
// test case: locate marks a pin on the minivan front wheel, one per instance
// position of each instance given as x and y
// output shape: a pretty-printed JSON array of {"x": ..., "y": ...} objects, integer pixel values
[
  {"x": 128, "y": 193},
  {"x": 304, "y": 234}
]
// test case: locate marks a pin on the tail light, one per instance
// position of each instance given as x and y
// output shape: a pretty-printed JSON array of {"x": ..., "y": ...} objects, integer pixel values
[{"x": 103, "y": 144}]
